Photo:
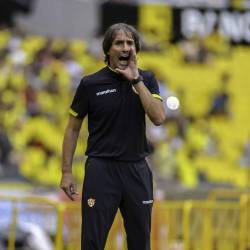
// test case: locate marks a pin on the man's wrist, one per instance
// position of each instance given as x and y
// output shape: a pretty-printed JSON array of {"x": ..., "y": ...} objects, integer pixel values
[
  {"x": 66, "y": 171},
  {"x": 137, "y": 80}
]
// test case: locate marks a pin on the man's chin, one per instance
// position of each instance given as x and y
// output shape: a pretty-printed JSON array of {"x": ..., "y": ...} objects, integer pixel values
[{"x": 122, "y": 67}]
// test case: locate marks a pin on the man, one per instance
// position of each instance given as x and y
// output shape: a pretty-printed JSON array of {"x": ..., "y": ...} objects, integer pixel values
[{"x": 115, "y": 99}]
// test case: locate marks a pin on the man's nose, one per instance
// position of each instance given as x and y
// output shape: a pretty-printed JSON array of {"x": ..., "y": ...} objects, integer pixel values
[{"x": 126, "y": 47}]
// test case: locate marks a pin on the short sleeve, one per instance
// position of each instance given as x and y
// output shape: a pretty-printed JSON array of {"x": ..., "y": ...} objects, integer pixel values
[
  {"x": 153, "y": 86},
  {"x": 79, "y": 106}
]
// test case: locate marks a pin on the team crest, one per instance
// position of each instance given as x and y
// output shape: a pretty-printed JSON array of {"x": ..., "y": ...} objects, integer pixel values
[{"x": 91, "y": 202}]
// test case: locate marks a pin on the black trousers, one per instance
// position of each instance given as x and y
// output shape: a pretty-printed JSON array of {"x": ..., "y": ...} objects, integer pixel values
[{"x": 111, "y": 185}]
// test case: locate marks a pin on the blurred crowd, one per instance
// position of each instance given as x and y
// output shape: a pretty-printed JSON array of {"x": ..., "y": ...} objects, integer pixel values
[
  {"x": 38, "y": 77},
  {"x": 37, "y": 80}
]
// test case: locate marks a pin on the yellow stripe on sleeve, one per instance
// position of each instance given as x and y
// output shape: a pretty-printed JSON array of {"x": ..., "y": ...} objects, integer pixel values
[
  {"x": 157, "y": 96},
  {"x": 72, "y": 112}
]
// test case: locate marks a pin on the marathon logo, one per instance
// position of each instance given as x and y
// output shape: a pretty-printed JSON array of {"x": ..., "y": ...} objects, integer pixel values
[
  {"x": 147, "y": 202},
  {"x": 105, "y": 92}
]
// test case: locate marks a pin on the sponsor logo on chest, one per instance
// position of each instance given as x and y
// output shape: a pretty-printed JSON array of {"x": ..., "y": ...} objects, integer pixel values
[{"x": 105, "y": 92}]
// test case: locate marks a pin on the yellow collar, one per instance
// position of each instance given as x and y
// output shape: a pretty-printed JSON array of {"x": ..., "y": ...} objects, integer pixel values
[{"x": 112, "y": 69}]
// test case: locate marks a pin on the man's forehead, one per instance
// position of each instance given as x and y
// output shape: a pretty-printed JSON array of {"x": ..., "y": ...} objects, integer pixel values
[{"x": 123, "y": 34}]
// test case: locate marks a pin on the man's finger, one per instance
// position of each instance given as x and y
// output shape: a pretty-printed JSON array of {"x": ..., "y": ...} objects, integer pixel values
[
  {"x": 67, "y": 192},
  {"x": 133, "y": 56},
  {"x": 119, "y": 71},
  {"x": 73, "y": 190}
]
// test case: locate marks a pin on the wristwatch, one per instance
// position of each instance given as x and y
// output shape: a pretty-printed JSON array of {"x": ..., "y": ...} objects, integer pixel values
[{"x": 136, "y": 80}]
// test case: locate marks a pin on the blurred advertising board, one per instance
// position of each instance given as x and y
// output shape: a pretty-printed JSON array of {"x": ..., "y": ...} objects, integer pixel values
[
  {"x": 163, "y": 22},
  {"x": 233, "y": 24}
]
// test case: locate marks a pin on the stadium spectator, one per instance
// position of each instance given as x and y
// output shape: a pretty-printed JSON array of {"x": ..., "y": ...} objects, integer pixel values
[
  {"x": 9, "y": 168},
  {"x": 217, "y": 44},
  {"x": 194, "y": 50},
  {"x": 74, "y": 69},
  {"x": 5, "y": 150},
  {"x": 95, "y": 45},
  {"x": 220, "y": 101},
  {"x": 32, "y": 106},
  {"x": 245, "y": 157}
]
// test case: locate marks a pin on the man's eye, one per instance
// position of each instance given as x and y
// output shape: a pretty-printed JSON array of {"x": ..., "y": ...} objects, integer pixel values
[{"x": 118, "y": 42}]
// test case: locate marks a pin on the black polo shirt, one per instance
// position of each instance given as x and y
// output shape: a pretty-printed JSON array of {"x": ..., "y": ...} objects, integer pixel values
[{"x": 116, "y": 118}]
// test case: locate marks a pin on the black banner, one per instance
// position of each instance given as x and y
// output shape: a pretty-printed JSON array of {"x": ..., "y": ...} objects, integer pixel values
[{"x": 116, "y": 13}]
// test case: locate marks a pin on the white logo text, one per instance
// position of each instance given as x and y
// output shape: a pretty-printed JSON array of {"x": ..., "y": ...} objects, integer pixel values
[{"x": 108, "y": 91}]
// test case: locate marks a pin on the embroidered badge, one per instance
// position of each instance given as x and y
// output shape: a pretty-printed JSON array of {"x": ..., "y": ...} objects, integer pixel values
[{"x": 91, "y": 202}]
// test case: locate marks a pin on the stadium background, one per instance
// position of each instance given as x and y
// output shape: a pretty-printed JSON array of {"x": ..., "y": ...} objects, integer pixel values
[{"x": 199, "y": 52}]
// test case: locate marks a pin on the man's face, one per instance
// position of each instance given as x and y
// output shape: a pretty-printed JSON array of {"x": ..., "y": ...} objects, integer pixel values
[{"x": 121, "y": 50}]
